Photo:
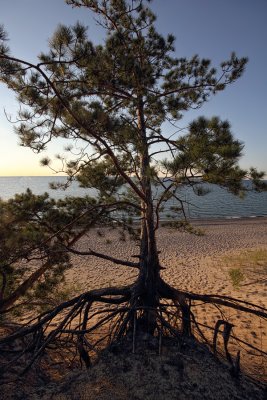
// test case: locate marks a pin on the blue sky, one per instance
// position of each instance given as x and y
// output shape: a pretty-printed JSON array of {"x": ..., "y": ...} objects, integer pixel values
[{"x": 210, "y": 28}]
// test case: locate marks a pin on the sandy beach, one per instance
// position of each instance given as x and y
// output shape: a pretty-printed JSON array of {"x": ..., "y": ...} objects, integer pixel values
[
  {"x": 191, "y": 262},
  {"x": 199, "y": 264}
]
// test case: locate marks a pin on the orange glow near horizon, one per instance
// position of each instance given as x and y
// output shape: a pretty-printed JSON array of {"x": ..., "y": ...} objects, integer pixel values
[{"x": 23, "y": 167}]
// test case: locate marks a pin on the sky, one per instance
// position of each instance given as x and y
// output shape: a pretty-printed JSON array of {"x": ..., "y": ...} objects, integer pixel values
[{"x": 210, "y": 28}]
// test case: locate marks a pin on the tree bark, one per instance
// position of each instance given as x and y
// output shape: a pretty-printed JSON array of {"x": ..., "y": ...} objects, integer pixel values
[{"x": 149, "y": 274}]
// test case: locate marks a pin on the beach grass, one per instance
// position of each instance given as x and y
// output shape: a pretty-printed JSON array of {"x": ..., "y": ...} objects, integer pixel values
[{"x": 247, "y": 265}]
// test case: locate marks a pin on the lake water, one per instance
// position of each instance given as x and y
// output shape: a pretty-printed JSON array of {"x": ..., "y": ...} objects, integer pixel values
[{"x": 218, "y": 203}]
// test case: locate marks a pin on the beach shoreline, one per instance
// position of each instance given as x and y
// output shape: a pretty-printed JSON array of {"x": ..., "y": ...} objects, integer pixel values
[
  {"x": 222, "y": 220},
  {"x": 229, "y": 220}
]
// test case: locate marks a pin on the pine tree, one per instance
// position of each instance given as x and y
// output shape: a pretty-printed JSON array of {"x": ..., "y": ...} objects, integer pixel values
[
  {"x": 114, "y": 100},
  {"x": 34, "y": 233}
]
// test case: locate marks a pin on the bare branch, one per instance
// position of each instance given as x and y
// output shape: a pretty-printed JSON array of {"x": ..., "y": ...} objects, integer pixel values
[{"x": 103, "y": 256}]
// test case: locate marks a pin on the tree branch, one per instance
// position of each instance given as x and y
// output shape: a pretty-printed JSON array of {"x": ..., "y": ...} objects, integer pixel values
[
  {"x": 103, "y": 256},
  {"x": 90, "y": 132}
]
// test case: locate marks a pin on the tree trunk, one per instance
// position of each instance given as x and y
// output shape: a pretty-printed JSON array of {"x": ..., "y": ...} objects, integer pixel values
[{"x": 149, "y": 275}]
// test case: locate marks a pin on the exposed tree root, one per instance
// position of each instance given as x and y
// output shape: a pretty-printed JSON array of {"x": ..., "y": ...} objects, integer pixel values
[{"x": 78, "y": 329}]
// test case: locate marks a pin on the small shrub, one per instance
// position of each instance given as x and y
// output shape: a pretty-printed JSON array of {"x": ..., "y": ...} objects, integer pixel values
[{"x": 236, "y": 276}]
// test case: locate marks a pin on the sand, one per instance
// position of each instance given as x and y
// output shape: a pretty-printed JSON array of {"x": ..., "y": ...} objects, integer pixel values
[
  {"x": 198, "y": 264},
  {"x": 192, "y": 262}
]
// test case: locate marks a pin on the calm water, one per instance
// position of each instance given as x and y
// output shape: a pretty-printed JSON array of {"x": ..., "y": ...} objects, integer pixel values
[{"x": 218, "y": 203}]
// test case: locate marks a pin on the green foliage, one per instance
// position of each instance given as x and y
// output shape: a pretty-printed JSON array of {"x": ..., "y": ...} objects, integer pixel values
[
  {"x": 102, "y": 175},
  {"x": 184, "y": 226},
  {"x": 210, "y": 150},
  {"x": 236, "y": 276},
  {"x": 250, "y": 265},
  {"x": 257, "y": 178},
  {"x": 98, "y": 86},
  {"x": 35, "y": 230}
]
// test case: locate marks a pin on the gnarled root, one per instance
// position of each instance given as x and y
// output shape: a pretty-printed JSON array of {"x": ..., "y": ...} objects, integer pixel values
[{"x": 75, "y": 331}]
